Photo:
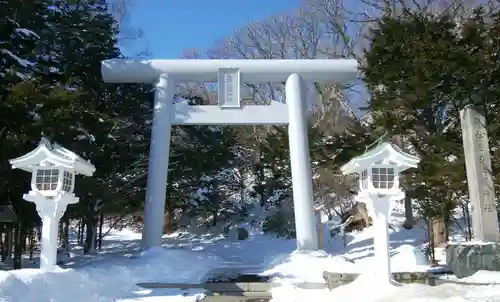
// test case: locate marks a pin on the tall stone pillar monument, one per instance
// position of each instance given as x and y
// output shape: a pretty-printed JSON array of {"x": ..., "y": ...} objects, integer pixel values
[{"x": 479, "y": 177}]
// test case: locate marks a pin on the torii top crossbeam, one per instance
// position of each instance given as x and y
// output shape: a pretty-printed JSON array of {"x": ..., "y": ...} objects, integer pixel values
[{"x": 252, "y": 71}]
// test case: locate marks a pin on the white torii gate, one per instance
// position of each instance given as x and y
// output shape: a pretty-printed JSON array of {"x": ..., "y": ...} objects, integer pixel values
[{"x": 229, "y": 74}]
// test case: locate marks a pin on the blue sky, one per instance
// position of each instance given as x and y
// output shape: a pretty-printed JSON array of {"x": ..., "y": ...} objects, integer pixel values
[{"x": 172, "y": 26}]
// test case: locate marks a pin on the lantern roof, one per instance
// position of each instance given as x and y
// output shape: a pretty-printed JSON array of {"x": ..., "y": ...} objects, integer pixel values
[
  {"x": 55, "y": 154},
  {"x": 383, "y": 152}
]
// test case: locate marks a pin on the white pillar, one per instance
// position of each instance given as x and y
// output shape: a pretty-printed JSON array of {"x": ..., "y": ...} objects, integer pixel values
[
  {"x": 300, "y": 164},
  {"x": 382, "y": 208},
  {"x": 50, "y": 211},
  {"x": 48, "y": 253},
  {"x": 382, "y": 263},
  {"x": 154, "y": 207}
]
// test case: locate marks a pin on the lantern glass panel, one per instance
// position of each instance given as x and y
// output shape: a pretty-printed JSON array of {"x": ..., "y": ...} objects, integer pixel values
[
  {"x": 383, "y": 178},
  {"x": 46, "y": 179},
  {"x": 67, "y": 181}
]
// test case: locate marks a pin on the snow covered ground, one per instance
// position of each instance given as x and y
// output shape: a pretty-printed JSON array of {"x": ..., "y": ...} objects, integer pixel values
[
  {"x": 112, "y": 275},
  {"x": 365, "y": 289}
]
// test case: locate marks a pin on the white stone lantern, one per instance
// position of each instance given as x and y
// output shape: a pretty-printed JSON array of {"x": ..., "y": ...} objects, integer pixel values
[
  {"x": 378, "y": 170},
  {"x": 53, "y": 169}
]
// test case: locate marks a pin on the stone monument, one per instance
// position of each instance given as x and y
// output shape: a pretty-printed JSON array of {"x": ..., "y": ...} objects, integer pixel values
[
  {"x": 479, "y": 177},
  {"x": 483, "y": 253}
]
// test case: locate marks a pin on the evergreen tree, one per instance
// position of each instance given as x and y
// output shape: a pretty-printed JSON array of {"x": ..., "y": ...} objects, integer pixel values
[{"x": 421, "y": 70}]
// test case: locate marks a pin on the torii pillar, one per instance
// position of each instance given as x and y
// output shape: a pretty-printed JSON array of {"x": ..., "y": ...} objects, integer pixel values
[{"x": 229, "y": 74}]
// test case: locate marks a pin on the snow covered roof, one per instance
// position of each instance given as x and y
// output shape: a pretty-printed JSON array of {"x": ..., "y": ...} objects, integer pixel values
[
  {"x": 55, "y": 154},
  {"x": 384, "y": 151}
]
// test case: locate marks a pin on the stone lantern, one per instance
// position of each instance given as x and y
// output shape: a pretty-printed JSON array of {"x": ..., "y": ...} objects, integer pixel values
[
  {"x": 378, "y": 170},
  {"x": 53, "y": 169}
]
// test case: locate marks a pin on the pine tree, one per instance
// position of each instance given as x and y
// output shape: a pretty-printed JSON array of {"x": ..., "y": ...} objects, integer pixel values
[
  {"x": 421, "y": 70},
  {"x": 201, "y": 170}
]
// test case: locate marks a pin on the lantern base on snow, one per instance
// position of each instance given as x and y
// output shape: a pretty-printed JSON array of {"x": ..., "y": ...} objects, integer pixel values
[
  {"x": 51, "y": 211},
  {"x": 380, "y": 207}
]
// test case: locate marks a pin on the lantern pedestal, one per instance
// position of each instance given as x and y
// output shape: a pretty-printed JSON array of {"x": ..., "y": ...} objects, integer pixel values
[
  {"x": 381, "y": 207},
  {"x": 50, "y": 210}
]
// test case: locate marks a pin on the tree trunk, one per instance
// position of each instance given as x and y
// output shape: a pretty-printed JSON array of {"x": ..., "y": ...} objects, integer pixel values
[
  {"x": 32, "y": 242},
  {"x": 408, "y": 224},
  {"x": 9, "y": 243},
  {"x": 94, "y": 237},
  {"x": 60, "y": 231},
  {"x": 168, "y": 217},
  {"x": 168, "y": 222},
  {"x": 90, "y": 234},
  {"x": 242, "y": 189},
  {"x": 430, "y": 235},
  {"x": 101, "y": 223},
  {"x": 468, "y": 226},
  {"x": 2, "y": 242},
  {"x": 66, "y": 233},
  {"x": 214, "y": 214},
  {"x": 439, "y": 231},
  {"x": 16, "y": 263},
  {"x": 24, "y": 240},
  {"x": 82, "y": 231},
  {"x": 79, "y": 231}
]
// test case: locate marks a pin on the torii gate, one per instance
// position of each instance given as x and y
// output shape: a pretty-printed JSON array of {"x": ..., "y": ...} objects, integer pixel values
[{"x": 229, "y": 74}]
